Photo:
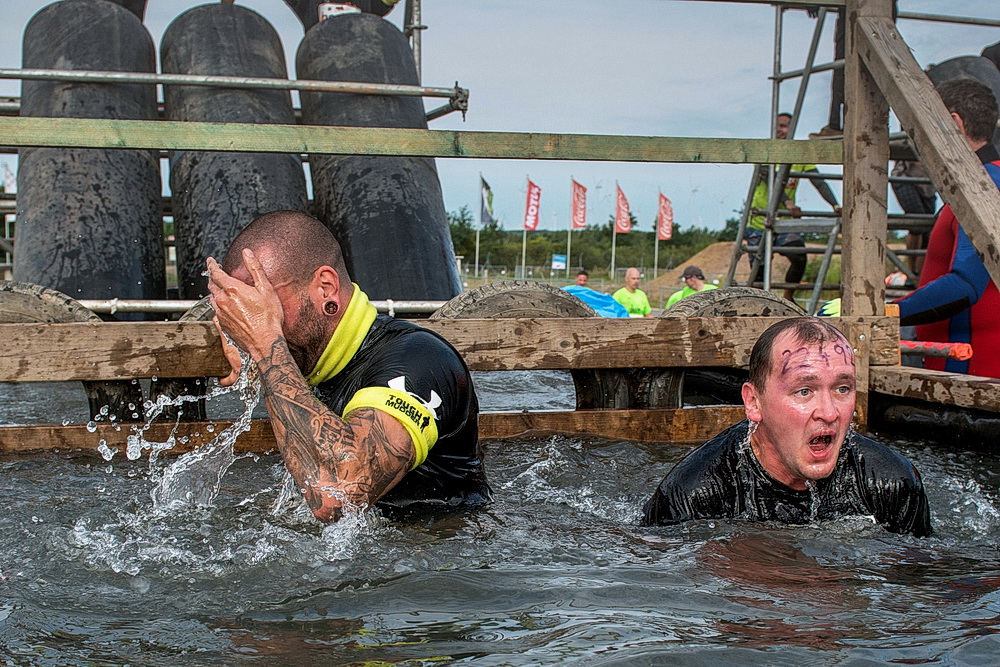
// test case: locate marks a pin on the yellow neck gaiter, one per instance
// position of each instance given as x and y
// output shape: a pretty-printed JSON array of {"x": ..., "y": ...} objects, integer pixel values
[{"x": 346, "y": 339}]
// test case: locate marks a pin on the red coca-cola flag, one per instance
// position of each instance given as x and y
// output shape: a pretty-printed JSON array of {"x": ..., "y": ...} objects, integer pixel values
[
  {"x": 579, "y": 211},
  {"x": 623, "y": 223},
  {"x": 531, "y": 207},
  {"x": 665, "y": 219}
]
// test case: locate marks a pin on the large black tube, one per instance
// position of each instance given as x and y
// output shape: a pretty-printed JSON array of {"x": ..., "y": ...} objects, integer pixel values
[
  {"x": 88, "y": 221},
  {"x": 387, "y": 212},
  {"x": 215, "y": 195}
]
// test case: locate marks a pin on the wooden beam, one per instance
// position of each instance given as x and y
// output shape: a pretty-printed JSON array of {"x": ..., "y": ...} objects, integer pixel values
[
  {"x": 866, "y": 156},
  {"x": 267, "y": 138},
  {"x": 963, "y": 391},
  {"x": 109, "y": 351},
  {"x": 124, "y": 350},
  {"x": 962, "y": 181},
  {"x": 687, "y": 426}
]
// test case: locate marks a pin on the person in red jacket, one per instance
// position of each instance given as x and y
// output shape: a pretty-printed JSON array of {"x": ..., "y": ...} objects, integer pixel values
[{"x": 956, "y": 300}]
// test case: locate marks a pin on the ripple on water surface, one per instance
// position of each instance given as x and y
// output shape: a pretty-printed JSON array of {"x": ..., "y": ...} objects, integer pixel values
[{"x": 556, "y": 570}]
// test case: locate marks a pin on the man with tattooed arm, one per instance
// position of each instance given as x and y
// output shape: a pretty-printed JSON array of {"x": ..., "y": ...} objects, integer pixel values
[
  {"x": 367, "y": 410},
  {"x": 795, "y": 458}
]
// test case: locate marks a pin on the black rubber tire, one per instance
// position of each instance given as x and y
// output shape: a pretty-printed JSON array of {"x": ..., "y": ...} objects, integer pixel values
[
  {"x": 216, "y": 194},
  {"x": 89, "y": 222},
  {"x": 595, "y": 389},
  {"x": 709, "y": 386},
  {"x": 514, "y": 298},
  {"x": 24, "y": 303},
  {"x": 387, "y": 212},
  {"x": 734, "y": 302}
]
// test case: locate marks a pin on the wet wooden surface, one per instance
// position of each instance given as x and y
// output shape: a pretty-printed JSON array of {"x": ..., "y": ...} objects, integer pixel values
[
  {"x": 111, "y": 351},
  {"x": 686, "y": 426},
  {"x": 964, "y": 391}
]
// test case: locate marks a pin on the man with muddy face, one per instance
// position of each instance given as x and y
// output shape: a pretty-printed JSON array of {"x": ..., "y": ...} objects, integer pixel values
[{"x": 795, "y": 458}]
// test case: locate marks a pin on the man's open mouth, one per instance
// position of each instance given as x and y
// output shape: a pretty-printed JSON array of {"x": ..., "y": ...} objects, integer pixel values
[{"x": 820, "y": 443}]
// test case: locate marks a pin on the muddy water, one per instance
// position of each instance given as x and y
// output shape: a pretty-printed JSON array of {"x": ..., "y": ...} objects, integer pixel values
[{"x": 94, "y": 572}]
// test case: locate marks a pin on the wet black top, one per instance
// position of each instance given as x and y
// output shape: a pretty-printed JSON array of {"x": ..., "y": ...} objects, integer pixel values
[
  {"x": 722, "y": 479},
  {"x": 452, "y": 475}
]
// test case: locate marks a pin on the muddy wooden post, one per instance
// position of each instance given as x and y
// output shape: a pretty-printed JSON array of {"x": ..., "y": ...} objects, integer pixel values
[{"x": 866, "y": 156}]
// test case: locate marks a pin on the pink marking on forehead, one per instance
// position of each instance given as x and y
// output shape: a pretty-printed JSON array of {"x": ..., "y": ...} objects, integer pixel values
[{"x": 817, "y": 355}]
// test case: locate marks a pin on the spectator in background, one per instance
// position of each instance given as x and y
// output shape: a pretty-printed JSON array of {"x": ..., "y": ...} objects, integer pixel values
[
  {"x": 582, "y": 278},
  {"x": 694, "y": 282},
  {"x": 633, "y": 298},
  {"x": 761, "y": 196},
  {"x": 957, "y": 301}
]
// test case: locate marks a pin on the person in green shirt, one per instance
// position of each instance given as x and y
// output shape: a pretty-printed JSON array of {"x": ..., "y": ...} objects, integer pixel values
[
  {"x": 694, "y": 282},
  {"x": 755, "y": 225},
  {"x": 631, "y": 297}
]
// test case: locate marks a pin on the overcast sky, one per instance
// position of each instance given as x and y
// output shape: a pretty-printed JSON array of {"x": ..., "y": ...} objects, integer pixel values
[{"x": 653, "y": 67}]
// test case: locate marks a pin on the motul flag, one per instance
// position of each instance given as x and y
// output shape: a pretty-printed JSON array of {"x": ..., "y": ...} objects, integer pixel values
[
  {"x": 665, "y": 221},
  {"x": 623, "y": 223},
  {"x": 531, "y": 207},
  {"x": 579, "y": 212}
]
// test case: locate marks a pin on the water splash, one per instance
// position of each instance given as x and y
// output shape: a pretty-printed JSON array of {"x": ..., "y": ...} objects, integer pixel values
[
  {"x": 195, "y": 477},
  {"x": 814, "y": 500}
]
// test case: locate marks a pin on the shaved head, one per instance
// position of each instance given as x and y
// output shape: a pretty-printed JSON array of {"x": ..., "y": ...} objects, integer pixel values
[{"x": 298, "y": 243}]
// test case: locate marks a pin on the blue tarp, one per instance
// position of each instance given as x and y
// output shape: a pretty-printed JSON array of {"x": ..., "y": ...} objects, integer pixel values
[{"x": 602, "y": 303}]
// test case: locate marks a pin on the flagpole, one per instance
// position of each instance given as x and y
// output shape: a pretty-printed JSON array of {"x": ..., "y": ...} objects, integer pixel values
[
  {"x": 614, "y": 239},
  {"x": 614, "y": 233},
  {"x": 656, "y": 240},
  {"x": 478, "y": 228},
  {"x": 569, "y": 227},
  {"x": 524, "y": 248},
  {"x": 524, "y": 240}
]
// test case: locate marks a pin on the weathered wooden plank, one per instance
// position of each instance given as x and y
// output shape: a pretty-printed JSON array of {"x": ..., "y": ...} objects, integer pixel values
[
  {"x": 687, "y": 425},
  {"x": 523, "y": 344},
  {"x": 964, "y": 391},
  {"x": 866, "y": 154},
  {"x": 244, "y": 137},
  {"x": 84, "y": 351},
  {"x": 109, "y": 351},
  {"x": 962, "y": 181}
]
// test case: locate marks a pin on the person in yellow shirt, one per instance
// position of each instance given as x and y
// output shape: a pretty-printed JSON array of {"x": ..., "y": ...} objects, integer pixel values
[
  {"x": 634, "y": 299},
  {"x": 755, "y": 225},
  {"x": 694, "y": 282}
]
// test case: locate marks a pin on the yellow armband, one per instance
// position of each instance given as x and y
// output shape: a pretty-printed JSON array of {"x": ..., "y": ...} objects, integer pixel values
[{"x": 415, "y": 417}]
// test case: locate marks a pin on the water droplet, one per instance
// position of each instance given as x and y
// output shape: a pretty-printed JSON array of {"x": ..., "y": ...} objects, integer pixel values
[
  {"x": 91, "y": 426},
  {"x": 210, "y": 428}
]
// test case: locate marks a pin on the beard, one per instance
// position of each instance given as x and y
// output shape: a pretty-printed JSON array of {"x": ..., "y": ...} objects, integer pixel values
[{"x": 307, "y": 341}]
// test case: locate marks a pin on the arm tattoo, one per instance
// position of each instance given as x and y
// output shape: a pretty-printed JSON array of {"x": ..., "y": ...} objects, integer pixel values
[{"x": 334, "y": 462}]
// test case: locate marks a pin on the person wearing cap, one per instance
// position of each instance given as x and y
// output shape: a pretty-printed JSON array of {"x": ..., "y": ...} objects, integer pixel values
[{"x": 694, "y": 282}]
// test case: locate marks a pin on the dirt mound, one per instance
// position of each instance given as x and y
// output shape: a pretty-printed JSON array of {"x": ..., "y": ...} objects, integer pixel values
[{"x": 714, "y": 263}]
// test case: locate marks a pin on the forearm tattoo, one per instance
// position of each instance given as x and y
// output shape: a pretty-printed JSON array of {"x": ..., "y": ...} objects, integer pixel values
[{"x": 335, "y": 463}]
